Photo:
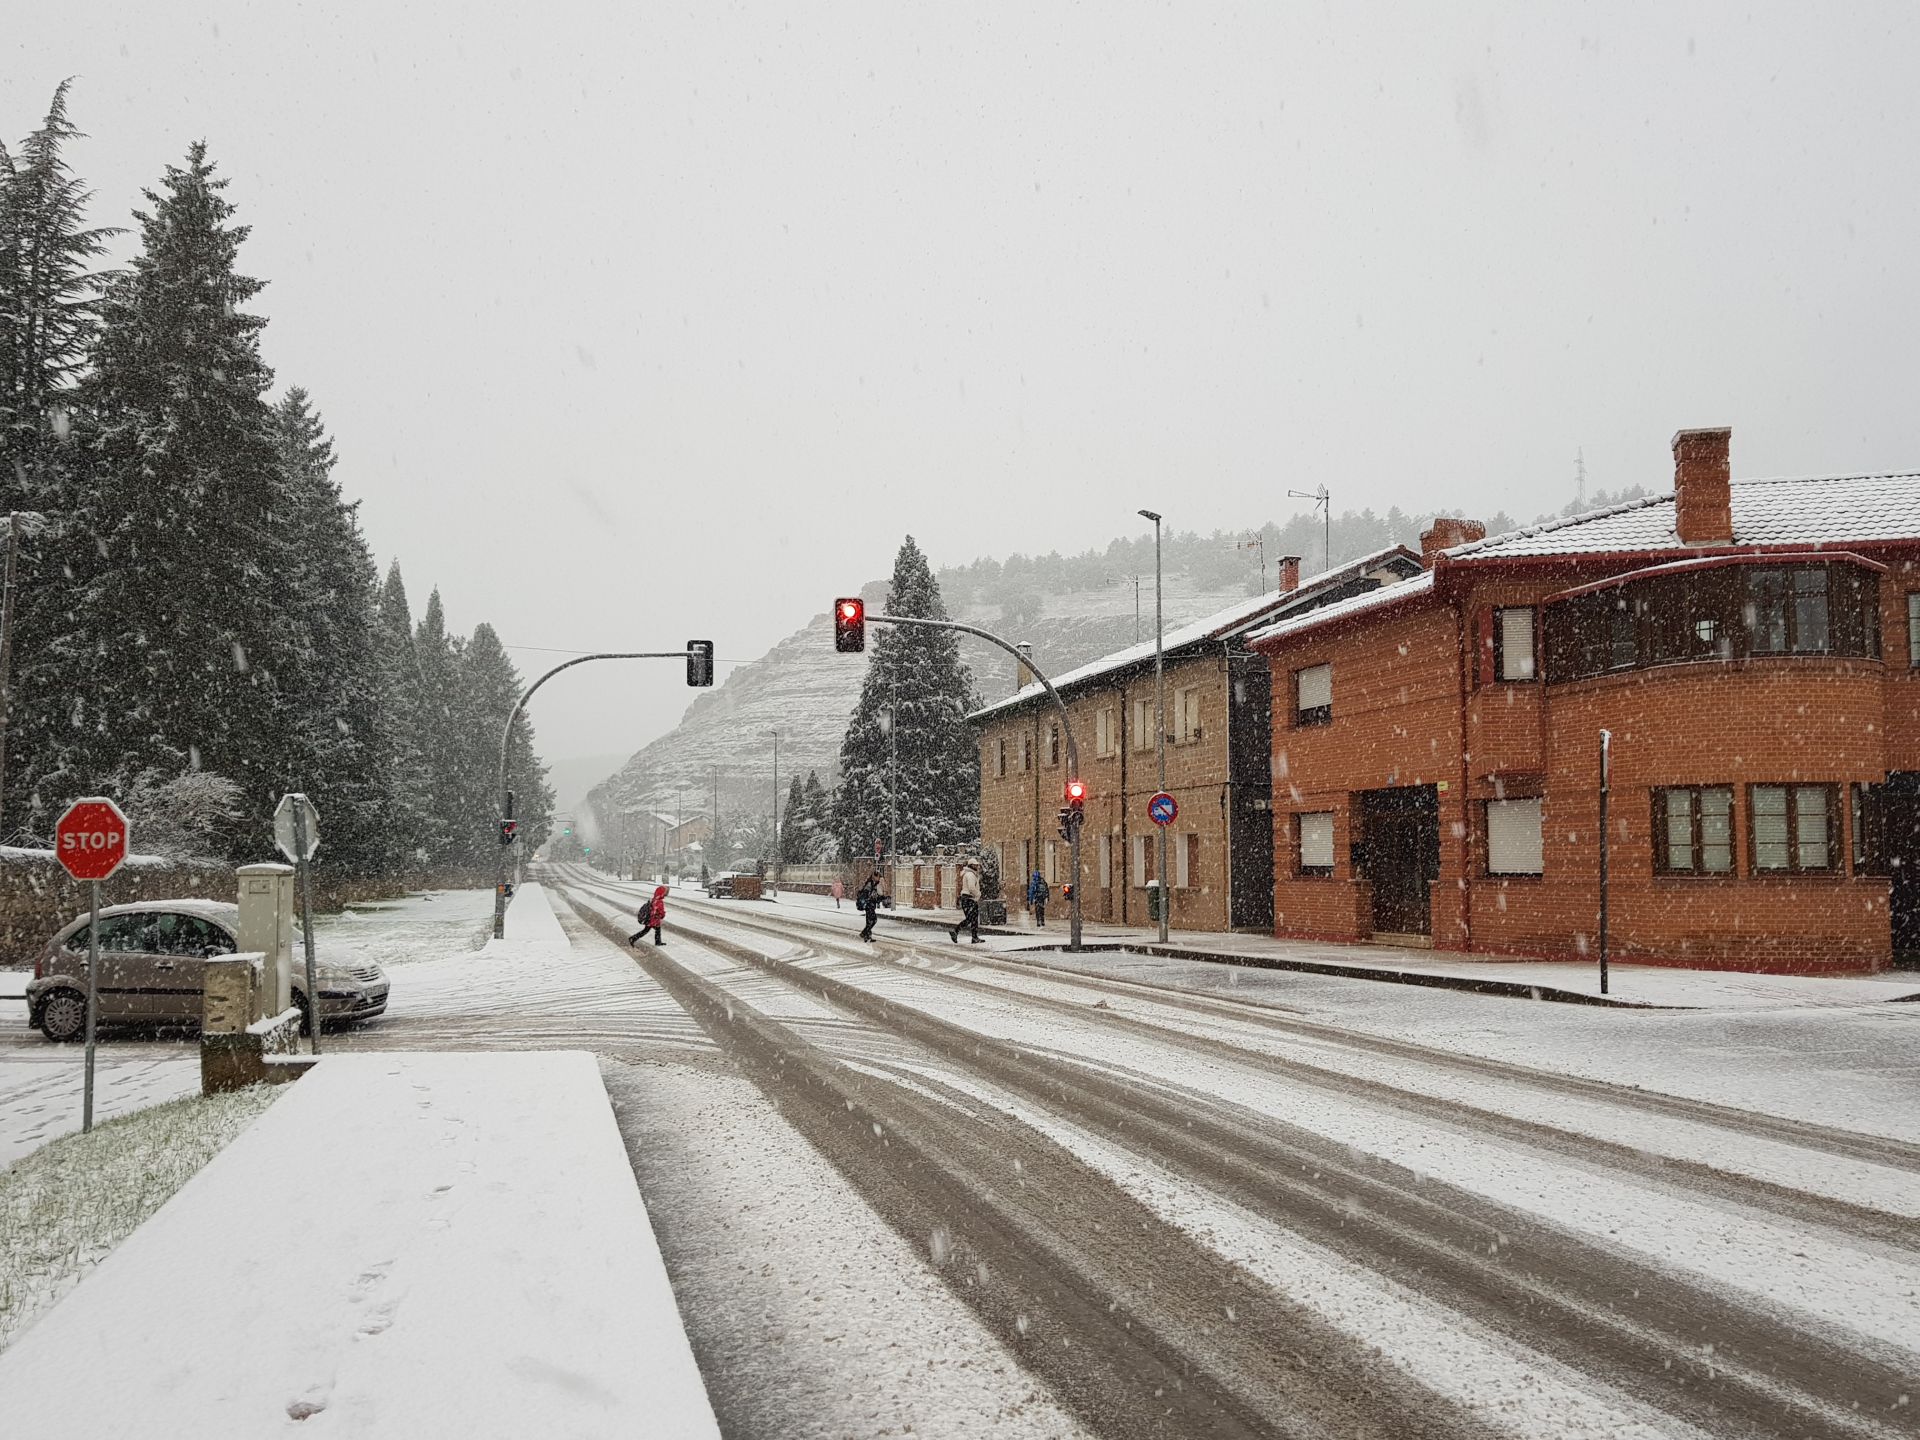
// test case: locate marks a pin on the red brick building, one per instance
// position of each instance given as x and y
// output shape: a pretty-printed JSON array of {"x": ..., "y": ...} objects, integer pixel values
[{"x": 1754, "y": 650}]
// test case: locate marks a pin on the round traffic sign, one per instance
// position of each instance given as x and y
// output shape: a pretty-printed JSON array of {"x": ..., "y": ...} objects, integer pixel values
[
  {"x": 90, "y": 840},
  {"x": 1162, "y": 809}
]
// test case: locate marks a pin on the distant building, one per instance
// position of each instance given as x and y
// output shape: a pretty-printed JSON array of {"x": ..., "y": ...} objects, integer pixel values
[
  {"x": 1754, "y": 650},
  {"x": 1220, "y": 849}
]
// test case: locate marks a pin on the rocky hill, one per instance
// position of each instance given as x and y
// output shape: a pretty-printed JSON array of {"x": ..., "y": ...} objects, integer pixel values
[{"x": 806, "y": 690}]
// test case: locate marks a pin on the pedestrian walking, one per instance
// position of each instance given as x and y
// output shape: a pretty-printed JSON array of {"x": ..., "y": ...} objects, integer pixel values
[
  {"x": 1038, "y": 892},
  {"x": 652, "y": 916},
  {"x": 969, "y": 902},
  {"x": 867, "y": 901},
  {"x": 839, "y": 889}
]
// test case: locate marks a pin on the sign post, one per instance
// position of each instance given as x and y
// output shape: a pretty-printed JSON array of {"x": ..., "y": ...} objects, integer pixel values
[
  {"x": 90, "y": 840},
  {"x": 296, "y": 830}
]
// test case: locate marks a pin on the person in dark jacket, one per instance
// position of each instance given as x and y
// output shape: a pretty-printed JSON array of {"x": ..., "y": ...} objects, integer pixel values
[
  {"x": 652, "y": 916},
  {"x": 867, "y": 900},
  {"x": 1038, "y": 892}
]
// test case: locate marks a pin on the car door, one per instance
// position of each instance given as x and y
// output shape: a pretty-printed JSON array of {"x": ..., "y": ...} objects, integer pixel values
[
  {"x": 182, "y": 944},
  {"x": 127, "y": 983}
]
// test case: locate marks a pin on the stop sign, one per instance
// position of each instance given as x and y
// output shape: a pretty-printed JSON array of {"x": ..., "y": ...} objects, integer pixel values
[{"x": 91, "y": 838}]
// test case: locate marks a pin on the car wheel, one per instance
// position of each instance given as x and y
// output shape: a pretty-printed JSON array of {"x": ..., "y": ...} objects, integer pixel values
[{"x": 63, "y": 1015}]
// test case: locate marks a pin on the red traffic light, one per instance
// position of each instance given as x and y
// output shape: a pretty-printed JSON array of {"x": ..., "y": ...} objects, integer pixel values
[
  {"x": 849, "y": 624},
  {"x": 1076, "y": 792}
]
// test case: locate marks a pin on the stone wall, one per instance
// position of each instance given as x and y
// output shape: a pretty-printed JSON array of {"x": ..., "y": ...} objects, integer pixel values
[{"x": 37, "y": 897}]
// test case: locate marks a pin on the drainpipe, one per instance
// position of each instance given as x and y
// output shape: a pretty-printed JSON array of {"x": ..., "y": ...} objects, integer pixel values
[{"x": 1461, "y": 631}]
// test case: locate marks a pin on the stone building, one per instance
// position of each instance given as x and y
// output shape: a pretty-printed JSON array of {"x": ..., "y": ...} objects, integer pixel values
[{"x": 1219, "y": 854}]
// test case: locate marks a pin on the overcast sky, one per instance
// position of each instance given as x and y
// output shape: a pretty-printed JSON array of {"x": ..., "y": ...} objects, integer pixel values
[{"x": 636, "y": 323}]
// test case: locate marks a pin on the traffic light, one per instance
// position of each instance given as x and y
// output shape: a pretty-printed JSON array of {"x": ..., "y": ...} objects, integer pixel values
[
  {"x": 509, "y": 829},
  {"x": 1073, "y": 813},
  {"x": 850, "y": 624},
  {"x": 699, "y": 662}
]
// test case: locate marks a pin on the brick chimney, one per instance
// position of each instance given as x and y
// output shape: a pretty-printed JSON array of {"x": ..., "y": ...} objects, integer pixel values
[
  {"x": 1702, "y": 487},
  {"x": 1289, "y": 573},
  {"x": 1447, "y": 532}
]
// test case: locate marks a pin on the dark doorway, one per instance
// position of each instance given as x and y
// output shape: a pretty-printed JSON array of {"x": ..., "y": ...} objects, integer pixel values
[
  {"x": 1250, "y": 768},
  {"x": 1400, "y": 856},
  {"x": 1899, "y": 845}
]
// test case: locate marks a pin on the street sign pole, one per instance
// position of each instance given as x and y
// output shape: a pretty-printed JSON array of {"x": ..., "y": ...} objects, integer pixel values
[
  {"x": 93, "y": 1001},
  {"x": 306, "y": 921},
  {"x": 90, "y": 840}
]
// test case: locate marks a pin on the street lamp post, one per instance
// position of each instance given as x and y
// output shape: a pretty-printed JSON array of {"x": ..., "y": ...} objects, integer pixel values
[
  {"x": 1066, "y": 728},
  {"x": 500, "y": 778},
  {"x": 1160, "y": 711},
  {"x": 776, "y": 808}
]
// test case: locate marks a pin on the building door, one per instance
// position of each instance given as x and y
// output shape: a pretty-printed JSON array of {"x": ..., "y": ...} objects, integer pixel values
[
  {"x": 1899, "y": 841},
  {"x": 1400, "y": 856}
]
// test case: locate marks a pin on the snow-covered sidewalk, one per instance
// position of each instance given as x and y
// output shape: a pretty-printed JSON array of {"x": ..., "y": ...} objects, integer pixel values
[
  {"x": 404, "y": 1245},
  {"x": 1639, "y": 985}
]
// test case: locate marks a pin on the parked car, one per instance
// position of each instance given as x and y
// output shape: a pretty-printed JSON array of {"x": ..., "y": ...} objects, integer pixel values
[
  {"x": 720, "y": 887},
  {"x": 152, "y": 971}
]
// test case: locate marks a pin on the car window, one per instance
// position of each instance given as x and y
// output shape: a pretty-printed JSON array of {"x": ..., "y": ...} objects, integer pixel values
[
  {"x": 126, "y": 932},
  {"x": 203, "y": 937}
]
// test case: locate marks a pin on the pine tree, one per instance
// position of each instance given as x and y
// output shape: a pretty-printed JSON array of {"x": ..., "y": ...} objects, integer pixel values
[
  {"x": 795, "y": 826},
  {"x": 397, "y": 681},
  {"x": 446, "y": 774},
  {"x": 49, "y": 315},
  {"x": 916, "y": 683},
  {"x": 817, "y": 827},
  {"x": 489, "y": 688},
  {"x": 180, "y": 654},
  {"x": 341, "y": 758}
]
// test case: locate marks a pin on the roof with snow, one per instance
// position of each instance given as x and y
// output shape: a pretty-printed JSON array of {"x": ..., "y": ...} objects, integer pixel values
[
  {"x": 1816, "y": 510},
  {"x": 1223, "y": 625},
  {"x": 1421, "y": 584}
]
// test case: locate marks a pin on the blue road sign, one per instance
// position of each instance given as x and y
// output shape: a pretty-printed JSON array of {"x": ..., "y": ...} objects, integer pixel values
[{"x": 1162, "y": 809}]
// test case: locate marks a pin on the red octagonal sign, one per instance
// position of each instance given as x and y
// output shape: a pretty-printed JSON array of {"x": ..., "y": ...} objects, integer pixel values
[{"x": 91, "y": 838}]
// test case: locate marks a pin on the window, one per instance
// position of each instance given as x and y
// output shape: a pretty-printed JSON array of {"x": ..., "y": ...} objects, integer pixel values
[
  {"x": 1106, "y": 861},
  {"x": 1000, "y": 758},
  {"x": 1693, "y": 830},
  {"x": 1723, "y": 612},
  {"x": 1513, "y": 838},
  {"x": 1913, "y": 630},
  {"x": 1053, "y": 862},
  {"x": 1186, "y": 714},
  {"x": 1139, "y": 860},
  {"x": 1105, "y": 742},
  {"x": 1186, "y": 859},
  {"x": 1313, "y": 835},
  {"x": 1026, "y": 863},
  {"x": 1143, "y": 724},
  {"x": 1053, "y": 745},
  {"x": 1513, "y": 643},
  {"x": 1313, "y": 695},
  {"x": 1026, "y": 752},
  {"x": 1792, "y": 827}
]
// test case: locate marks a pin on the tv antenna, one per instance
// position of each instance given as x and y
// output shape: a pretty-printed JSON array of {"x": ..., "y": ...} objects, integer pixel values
[{"x": 1322, "y": 502}]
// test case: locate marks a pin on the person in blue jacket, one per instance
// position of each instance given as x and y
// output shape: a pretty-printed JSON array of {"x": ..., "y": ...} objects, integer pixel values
[{"x": 1038, "y": 892}]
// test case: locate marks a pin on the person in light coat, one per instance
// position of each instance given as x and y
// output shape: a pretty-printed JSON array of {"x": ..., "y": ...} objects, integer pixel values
[{"x": 969, "y": 902}]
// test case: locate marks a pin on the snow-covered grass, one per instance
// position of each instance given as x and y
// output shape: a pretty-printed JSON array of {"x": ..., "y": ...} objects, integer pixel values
[
  {"x": 63, "y": 1208},
  {"x": 427, "y": 925}
]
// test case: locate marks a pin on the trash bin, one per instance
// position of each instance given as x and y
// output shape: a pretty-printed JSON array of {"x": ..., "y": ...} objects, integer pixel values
[{"x": 1153, "y": 901}]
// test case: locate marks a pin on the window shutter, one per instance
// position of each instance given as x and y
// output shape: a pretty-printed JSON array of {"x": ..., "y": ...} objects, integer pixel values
[
  {"x": 1483, "y": 663},
  {"x": 1516, "y": 644},
  {"x": 1315, "y": 686},
  {"x": 1139, "y": 860},
  {"x": 1316, "y": 840},
  {"x": 1513, "y": 838}
]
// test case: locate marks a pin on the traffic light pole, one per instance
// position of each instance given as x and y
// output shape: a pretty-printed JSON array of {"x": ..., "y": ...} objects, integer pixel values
[
  {"x": 1066, "y": 727},
  {"x": 500, "y": 776}
]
